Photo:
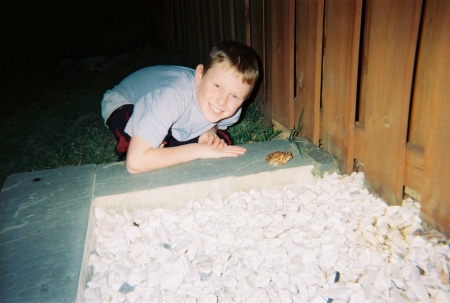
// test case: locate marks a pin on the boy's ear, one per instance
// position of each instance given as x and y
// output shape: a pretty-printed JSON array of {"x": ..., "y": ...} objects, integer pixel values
[{"x": 199, "y": 73}]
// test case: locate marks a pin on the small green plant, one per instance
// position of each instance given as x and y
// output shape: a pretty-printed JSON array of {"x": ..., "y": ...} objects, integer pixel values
[
  {"x": 295, "y": 131},
  {"x": 252, "y": 128},
  {"x": 268, "y": 134}
]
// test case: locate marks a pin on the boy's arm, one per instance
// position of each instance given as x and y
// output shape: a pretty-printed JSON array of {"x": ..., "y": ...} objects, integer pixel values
[{"x": 141, "y": 157}]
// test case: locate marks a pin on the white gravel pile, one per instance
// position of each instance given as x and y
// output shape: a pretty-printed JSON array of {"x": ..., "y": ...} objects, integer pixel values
[{"x": 330, "y": 241}]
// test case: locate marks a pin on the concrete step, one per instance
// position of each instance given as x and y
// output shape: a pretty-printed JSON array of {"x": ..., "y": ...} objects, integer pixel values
[{"x": 47, "y": 223}]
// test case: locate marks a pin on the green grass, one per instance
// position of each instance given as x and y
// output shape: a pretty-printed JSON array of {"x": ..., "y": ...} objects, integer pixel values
[
  {"x": 53, "y": 119},
  {"x": 252, "y": 127}
]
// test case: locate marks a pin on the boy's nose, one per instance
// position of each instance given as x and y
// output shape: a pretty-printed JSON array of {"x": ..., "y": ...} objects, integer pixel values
[{"x": 222, "y": 99}]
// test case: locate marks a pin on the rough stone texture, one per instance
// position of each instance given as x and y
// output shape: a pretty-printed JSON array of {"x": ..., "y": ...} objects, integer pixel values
[{"x": 329, "y": 240}]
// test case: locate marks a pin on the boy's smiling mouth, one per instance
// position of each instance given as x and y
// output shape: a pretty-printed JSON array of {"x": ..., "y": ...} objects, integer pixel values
[{"x": 215, "y": 109}]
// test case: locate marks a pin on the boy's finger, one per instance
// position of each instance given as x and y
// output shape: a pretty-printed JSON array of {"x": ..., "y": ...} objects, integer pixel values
[{"x": 235, "y": 149}]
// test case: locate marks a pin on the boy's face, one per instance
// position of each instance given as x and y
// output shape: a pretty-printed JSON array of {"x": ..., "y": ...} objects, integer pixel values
[{"x": 220, "y": 92}]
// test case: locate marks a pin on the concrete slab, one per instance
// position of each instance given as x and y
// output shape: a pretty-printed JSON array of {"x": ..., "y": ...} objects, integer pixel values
[
  {"x": 47, "y": 223},
  {"x": 173, "y": 187},
  {"x": 112, "y": 179},
  {"x": 43, "y": 229}
]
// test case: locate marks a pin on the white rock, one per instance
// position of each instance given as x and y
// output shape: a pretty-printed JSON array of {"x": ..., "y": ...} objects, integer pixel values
[
  {"x": 132, "y": 232},
  {"x": 398, "y": 278},
  {"x": 377, "y": 258},
  {"x": 293, "y": 288},
  {"x": 368, "y": 279},
  {"x": 229, "y": 281},
  {"x": 273, "y": 296},
  {"x": 309, "y": 256},
  {"x": 116, "y": 295},
  {"x": 192, "y": 252},
  {"x": 442, "y": 297},
  {"x": 382, "y": 282},
  {"x": 271, "y": 245},
  {"x": 419, "y": 289},
  {"x": 209, "y": 298},
  {"x": 171, "y": 281},
  {"x": 261, "y": 280},
  {"x": 191, "y": 290},
  {"x": 365, "y": 257},
  {"x": 309, "y": 278},
  {"x": 256, "y": 261},
  {"x": 132, "y": 297},
  {"x": 329, "y": 256},
  {"x": 259, "y": 296},
  {"x": 284, "y": 296},
  {"x": 143, "y": 258}
]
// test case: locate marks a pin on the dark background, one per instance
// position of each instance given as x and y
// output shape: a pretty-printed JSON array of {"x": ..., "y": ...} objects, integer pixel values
[
  {"x": 44, "y": 41},
  {"x": 42, "y": 34},
  {"x": 56, "y": 61}
]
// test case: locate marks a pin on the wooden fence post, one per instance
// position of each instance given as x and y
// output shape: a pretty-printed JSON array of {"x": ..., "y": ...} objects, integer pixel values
[
  {"x": 308, "y": 65},
  {"x": 392, "y": 31},
  {"x": 340, "y": 78},
  {"x": 279, "y": 62},
  {"x": 432, "y": 88}
]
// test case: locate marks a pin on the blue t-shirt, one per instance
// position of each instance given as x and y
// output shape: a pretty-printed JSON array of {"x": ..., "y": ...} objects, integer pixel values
[{"x": 164, "y": 98}]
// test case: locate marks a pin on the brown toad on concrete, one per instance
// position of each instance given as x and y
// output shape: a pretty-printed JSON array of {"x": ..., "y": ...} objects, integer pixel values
[{"x": 278, "y": 158}]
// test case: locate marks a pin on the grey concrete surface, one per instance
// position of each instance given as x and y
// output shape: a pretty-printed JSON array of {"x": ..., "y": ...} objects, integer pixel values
[{"x": 45, "y": 214}]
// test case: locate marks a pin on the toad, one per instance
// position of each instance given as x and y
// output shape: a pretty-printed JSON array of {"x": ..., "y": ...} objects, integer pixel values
[{"x": 278, "y": 158}]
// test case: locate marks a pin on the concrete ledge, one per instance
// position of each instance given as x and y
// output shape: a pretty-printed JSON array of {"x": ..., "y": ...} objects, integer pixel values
[
  {"x": 47, "y": 224},
  {"x": 112, "y": 179},
  {"x": 43, "y": 229}
]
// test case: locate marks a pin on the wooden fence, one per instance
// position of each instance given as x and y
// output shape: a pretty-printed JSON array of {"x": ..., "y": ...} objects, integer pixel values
[{"x": 372, "y": 76}]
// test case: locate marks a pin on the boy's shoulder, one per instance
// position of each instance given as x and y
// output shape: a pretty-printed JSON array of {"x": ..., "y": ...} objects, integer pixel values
[
  {"x": 157, "y": 76},
  {"x": 167, "y": 69}
]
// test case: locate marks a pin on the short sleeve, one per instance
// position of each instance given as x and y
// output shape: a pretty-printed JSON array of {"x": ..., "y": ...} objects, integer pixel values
[{"x": 153, "y": 116}]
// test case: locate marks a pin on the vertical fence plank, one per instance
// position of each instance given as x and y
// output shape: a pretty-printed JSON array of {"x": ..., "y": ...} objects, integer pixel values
[
  {"x": 280, "y": 60},
  {"x": 207, "y": 28},
  {"x": 240, "y": 20},
  {"x": 220, "y": 20},
  {"x": 226, "y": 20},
  {"x": 308, "y": 65},
  {"x": 391, "y": 49},
  {"x": 211, "y": 23},
  {"x": 432, "y": 85},
  {"x": 248, "y": 22},
  {"x": 339, "y": 80},
  {"x": 232, "y": 20},
  {"x": 214, "y": 21},
  {"x": 257, "y": 26},
  {"x": 200, "y": 32},
  {"x": 266, "y": 104},
  {"x": 257, "y": 42}
]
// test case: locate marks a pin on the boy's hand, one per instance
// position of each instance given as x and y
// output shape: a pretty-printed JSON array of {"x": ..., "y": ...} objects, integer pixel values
[
  {"x": 210, "y": 151},
  {"x": 142, "y": 157},
  {"x": 218, "y": 148},
  {"x": 210, "y": 138}
]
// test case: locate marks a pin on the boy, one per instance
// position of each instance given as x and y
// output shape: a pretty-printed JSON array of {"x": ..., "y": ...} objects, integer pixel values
[{"x": 166, "y": 115}]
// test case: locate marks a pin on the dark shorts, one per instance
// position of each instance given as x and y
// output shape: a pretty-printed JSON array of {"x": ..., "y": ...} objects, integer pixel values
[{"x": 119, "y": 119}]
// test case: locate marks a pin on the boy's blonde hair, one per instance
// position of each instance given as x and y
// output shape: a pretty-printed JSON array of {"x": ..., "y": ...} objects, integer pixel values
[{"x": 239, "y": 55}]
